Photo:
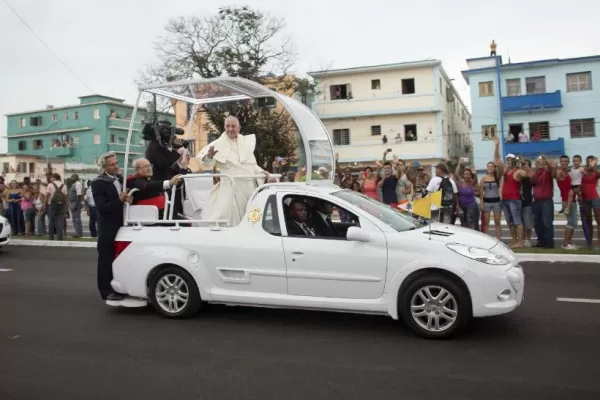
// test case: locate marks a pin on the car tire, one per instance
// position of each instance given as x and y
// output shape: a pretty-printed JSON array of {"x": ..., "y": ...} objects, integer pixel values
[
  {"x": 174, "y": 293},
  {"x": 435, "y": 297}
]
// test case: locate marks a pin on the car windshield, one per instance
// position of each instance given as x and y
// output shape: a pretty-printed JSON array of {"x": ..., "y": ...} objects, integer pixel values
[{"x": 386, "y": 214}]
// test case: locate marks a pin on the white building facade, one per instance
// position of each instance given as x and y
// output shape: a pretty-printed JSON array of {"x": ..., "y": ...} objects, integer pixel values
[{"x": 410, "y": 108}]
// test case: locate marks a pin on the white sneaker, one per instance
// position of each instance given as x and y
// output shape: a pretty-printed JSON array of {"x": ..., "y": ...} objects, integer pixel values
[
  {"x": 569, "y": 247},
  {"x": 527, "y": 243}
]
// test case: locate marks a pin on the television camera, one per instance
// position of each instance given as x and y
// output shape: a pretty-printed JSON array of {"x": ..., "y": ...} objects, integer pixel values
[{"x": 163, "y": 133}]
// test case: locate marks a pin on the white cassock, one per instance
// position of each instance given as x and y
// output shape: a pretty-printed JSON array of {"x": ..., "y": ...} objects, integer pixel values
[{"x": 235, "y": 157}]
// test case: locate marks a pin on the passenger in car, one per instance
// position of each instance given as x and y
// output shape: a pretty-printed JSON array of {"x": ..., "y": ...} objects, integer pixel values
[
  {"x": 321, "y": 218},
  {"x": 298, "y": 223},
  {"x": 151, "y": 193}
]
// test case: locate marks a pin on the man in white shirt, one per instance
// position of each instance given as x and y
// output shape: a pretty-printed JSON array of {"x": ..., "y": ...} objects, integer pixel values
[
  {"x": 91, "y": 210},
  {"x": 76, "y": 204},
  {"x": 443, "y": 181}
]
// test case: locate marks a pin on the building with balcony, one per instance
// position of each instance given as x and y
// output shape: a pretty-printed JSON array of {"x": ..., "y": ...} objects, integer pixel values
[
  {"x": 553, "y": 102},
  {"x": 77, "y": 134},
  {"x": 18, "y": 167},
  {"x": 411, "y": 108}
]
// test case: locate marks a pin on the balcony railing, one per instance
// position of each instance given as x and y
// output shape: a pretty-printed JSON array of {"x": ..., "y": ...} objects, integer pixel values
[
  {"x": 554, "y": 148},
  {"x": 532, "y": 102},
  {"x": 120, "y": 148},
  {"x": 65, "y": 151},
  {"x": 376, "y": 106}
]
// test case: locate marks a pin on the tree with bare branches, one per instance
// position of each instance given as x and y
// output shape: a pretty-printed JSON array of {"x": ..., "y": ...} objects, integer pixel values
[{"x": 241, "y": 42}]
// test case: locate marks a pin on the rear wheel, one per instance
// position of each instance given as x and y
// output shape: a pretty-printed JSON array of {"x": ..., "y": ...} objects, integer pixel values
[
  {"x": 434, "y": 306},
  {"x": 174, "y": 293}
]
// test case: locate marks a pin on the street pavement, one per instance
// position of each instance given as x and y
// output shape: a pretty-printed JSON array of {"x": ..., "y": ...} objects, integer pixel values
[{"x": 58, "y": 340}]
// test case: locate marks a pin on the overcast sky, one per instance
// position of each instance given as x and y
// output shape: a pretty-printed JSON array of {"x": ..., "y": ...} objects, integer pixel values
[{"x": 106, "y": 42}]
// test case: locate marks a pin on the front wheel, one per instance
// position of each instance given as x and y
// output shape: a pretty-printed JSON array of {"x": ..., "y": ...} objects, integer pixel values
[
  {"x": 174, "y": 293},
  {"x": 435, "y": 306}
]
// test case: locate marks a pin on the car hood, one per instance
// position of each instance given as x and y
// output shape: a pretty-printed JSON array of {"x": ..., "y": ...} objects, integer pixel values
[{"x": 445, "y": 233}]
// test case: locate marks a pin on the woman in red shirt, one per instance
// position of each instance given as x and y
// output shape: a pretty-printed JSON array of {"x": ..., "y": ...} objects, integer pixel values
[{"x": 591, "y": 200}]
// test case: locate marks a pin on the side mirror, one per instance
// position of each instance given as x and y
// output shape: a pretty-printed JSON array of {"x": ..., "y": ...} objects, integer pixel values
[{"x": 356, "y": 234}]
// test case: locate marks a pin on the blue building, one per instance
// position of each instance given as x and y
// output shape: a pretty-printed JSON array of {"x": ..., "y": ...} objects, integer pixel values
[
  {"x": 553, "y": 100},
  {"x": 78, "y": 134}
]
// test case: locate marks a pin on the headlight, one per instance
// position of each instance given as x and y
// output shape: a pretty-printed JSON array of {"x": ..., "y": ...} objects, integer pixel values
[{"x": 478, "y": 254}]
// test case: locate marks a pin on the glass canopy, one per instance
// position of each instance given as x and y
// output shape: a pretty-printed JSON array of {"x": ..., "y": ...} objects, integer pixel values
[{"x": 316, "y": 150}]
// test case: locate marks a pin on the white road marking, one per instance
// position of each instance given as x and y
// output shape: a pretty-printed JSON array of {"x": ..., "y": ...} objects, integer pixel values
[
  {"x": 5, "y": 270},
  {"x": 571, "y": 300}
]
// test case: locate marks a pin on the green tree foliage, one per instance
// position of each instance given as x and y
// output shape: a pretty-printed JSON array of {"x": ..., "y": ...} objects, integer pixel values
[{"x": 240, "y": 42}]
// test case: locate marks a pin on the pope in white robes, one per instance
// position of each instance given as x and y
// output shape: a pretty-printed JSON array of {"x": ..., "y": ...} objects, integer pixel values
[{"x": 233, "y": 154}]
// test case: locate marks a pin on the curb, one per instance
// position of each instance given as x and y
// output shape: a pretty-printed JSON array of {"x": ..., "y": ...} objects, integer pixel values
[
  {"x": 552, "y": 258},
  {"x": 52, "y": 243},
  {"x": 523, "y": 257}
]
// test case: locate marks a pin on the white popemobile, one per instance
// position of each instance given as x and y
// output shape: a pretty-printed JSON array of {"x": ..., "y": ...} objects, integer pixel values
[
  {"x": 5, "y": 231},
  {"x": 434, "y": 277}
]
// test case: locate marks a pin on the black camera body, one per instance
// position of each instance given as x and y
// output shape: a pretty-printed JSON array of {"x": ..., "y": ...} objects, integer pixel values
[{"x": 164, "y": 134}]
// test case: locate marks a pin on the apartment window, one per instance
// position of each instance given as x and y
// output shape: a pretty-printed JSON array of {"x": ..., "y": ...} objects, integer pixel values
[
  {"x": 75, "y": 115},
  {"x": 376, "y": 84},
  {"x": 265, "y": 102},
  {"x": 96, "y": 113},
  {"x": 97, "y": 138},
  {"x": 22, "y": 145},
  {"x": 38, "y": 144},
  {"x": 54, "y": 117},
  {"x": 410, "y": 133},
  {"x": 74, "y": 140},
  {"x": 579, "y": 82},
  {"x": 441, "y": 86},
  {"x": 376, "y": 130},
  {"x": 66, "y": 115},
  {"x": 542, "y": 127},
  {"x": 22, "y": 123},
  {"x": 35, "y": 121},
  {"x": 583, "y": 127},
  {"x": 486, "y": 89},
  {"x": 488, "y": 132},
  {"x": 113, "y": 138},
  {"x": 408, "y": 86},
  {"x": 339, "y": 92},
  {"x": 341, "y": 137},
  {"x": 192, "y": 147},
  {"x": 513, "y": 87},
  {"x": 535, "y": 85}
]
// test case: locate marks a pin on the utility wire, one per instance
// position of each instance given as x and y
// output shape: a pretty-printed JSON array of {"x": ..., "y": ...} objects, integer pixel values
[{"x": 47, "y": 47}]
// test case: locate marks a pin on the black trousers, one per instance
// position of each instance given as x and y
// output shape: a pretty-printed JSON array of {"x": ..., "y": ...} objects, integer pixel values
[{"x": 105, "y": 259}]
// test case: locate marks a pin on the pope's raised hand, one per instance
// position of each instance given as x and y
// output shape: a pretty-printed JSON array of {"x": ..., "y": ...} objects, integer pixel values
[{"x": 212, "y": 151}]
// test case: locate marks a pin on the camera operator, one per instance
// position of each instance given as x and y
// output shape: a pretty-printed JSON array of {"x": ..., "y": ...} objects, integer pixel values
[
  {"x": 163, "y": 147},
  {"x": 150, "y": 191},
  {"x": 180, "y": 167}
]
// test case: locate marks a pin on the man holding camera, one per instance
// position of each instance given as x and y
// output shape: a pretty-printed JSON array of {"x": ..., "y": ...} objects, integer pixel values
[{"x": 232, "y": 154}]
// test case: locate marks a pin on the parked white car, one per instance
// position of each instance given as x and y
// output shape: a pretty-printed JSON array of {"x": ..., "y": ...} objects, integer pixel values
[
  {"x": 5, "y": 232},
  {"x": 434, "y": 277}
]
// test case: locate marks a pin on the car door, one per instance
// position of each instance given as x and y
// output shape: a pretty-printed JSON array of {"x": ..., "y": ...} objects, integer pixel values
[
  {"x": 336, "y": 268},
  {"x": 247, "y": 259}
]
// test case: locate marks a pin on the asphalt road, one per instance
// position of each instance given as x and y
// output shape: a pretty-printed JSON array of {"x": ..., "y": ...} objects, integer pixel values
[{"x": 59, "y": 341}]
